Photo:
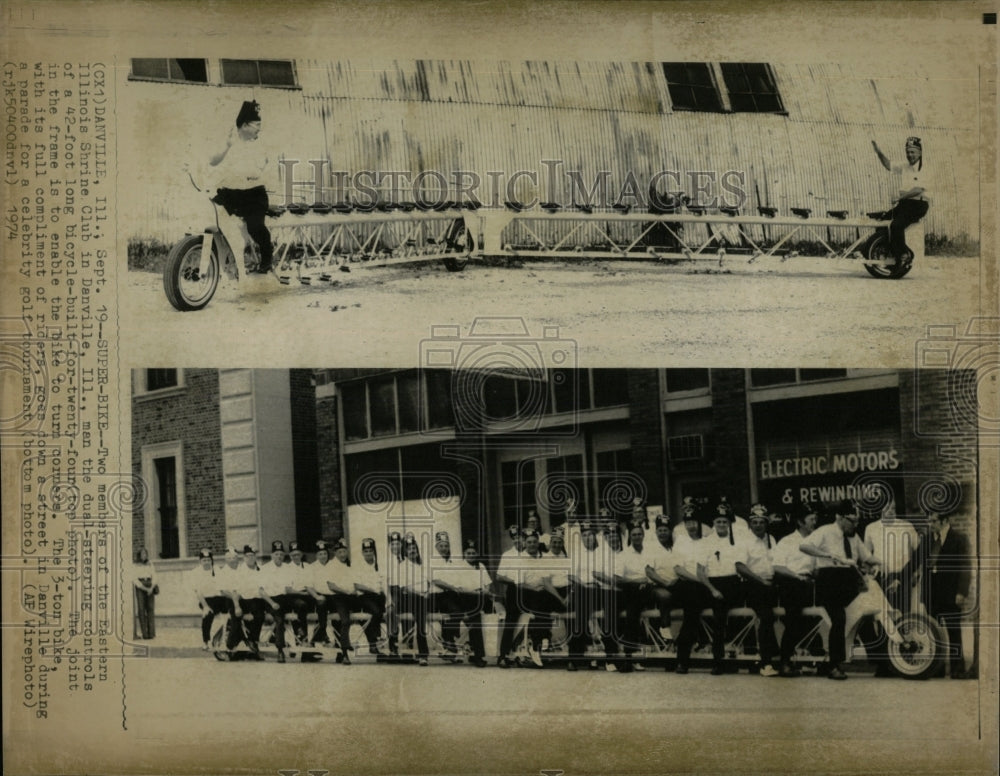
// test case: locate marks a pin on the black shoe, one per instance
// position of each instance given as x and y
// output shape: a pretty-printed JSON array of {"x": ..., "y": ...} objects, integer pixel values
[
  {"x": 281, "y": 656},
  {"x": 681, "y": 669},
  {"x": 503, "y": 662},
  {"x": 789, "y": 671},
  {"x": 836, "y": 673},
  {"x": 478, "y": 662},
  {"x": 571, "y": 666},
  {"x": 346, "y": 660},
  {"x": 718, "y": 670}
]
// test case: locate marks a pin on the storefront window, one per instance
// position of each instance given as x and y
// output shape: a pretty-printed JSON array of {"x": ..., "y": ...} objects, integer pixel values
[{"x": 382, "y": 395}]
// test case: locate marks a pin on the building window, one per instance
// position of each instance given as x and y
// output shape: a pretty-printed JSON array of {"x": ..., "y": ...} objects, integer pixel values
[
  {"x": 571, "y": 389},
  {"x": 158, "y": 379},
  {"x": 751, "y": 87},
  {"x": 564, "y": 477},
  {"x": 680, "y": 380},
  {"x": 692, "y": 86},
  {"x": 517, "y": 490},
  {"x": 610, "y": 387},
  {"x": 760, "y": 378},
  {"x": 821, "y": 374},
  {"x": 611, "y": 484},
  {"x": 437, "y": 397},
  {"x": 163, "y": 478},
  {"x": 179, "y": 70},
  {"x": 258, "y": 72},
  {"x": 166, "y": 507},
  {"x": 355, "y": 409}
]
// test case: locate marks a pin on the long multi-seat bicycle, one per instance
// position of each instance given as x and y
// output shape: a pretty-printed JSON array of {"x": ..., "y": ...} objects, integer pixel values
[{"x": 315, "y": 242}]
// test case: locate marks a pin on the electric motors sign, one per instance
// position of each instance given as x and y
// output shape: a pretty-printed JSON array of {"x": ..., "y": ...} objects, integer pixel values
[{"x": 827, "y": 476}]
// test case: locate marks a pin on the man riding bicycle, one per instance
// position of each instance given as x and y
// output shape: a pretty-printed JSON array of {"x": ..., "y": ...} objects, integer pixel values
[
  {"x": 241, "y": 189},
  {"x": 912, "y": 201}
]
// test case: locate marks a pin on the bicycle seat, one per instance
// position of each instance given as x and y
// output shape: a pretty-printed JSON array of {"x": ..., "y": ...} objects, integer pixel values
[
  {"x": 342, "y": 207},
  {"x": 407, "y": 207},
  {"x": 838, "y": 214},
  {"x": 472, "y": 204},
  {"x": 768, "y": 212},
  {"x": 552, "y": 207},
  {"x": 584, "y": 208},
  {"x": 698, "y": 210},
  {"x": 801, "y": 212},
  {"x": 621, "y": 207},
  {"x": 321, "y": 207},
  {"x": 275, "y": 210},
  {"x": 730, "y": 211},
  {"x": 879, "y": 215},
  {"x": 298, "y": 208},
  {"x": 517, "y": 207}
]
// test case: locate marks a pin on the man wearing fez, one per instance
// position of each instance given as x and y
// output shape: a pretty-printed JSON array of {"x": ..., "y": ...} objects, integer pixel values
[
  {"x": 840, "y": 556},
  {"x": 759, "y": 587},
  {"x": 241, "y": 188},
  {"x": 245, "y": 594},
  {"x": 316, "y": 587},
  {"x": 274, "y": 578},
  {"x": 210, "y": 600},
  {"x": 468, "y": 582},
  {"x": 340, "y": 584},
  {"x": 369, "y": 584},
  {"x": 297, "y": 596},
  {"x": 911, "y": 203},
  {"x": 442, "y": 600},
  {"x": 793, "y": 575}
]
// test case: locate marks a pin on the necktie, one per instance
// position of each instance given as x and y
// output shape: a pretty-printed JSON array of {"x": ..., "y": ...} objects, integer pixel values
[{"x": 847, "y": 547}]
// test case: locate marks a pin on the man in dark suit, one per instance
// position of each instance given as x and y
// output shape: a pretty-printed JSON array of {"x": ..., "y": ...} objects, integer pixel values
[{"x": 949, "y": 566}]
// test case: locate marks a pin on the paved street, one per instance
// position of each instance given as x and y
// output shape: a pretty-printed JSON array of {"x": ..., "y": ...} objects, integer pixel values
[
  {"x": 618, "y": 313},
  {"x": 194, "y": 714}
]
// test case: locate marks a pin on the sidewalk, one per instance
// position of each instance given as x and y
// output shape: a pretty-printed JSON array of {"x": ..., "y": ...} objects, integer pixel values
[{"x": 173, "y": 642}]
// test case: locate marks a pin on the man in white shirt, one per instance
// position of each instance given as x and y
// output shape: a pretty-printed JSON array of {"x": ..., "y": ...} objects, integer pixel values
[
  {"x": 840, "y": 556},
  {"x": 296, "y": 595},
  {"x": 316, "y": 587},
  {"x": 393, "y": 560},
  {"x": 508, "y": 572},
  {"x": 793, "y": 574},
  {"x": 912, "y": 200},
  {"x": 758, "y": 584},
  {"x": 414, "y": 587},
  {"x": 340, "y": 584},
  {"x": 468, "y": 582},
  {"x": 587, "y": 597},
  {"x": 241, "y": 189},
  {"x": 630, "y": 574},
  {"x": 724, "y": 559},
  {"x": 689, "y": 592},
  {"x": 442, "y": 600},
  {"x": 274, "y": 579},
  {"x": 244, "y": 591},
  {"x": 369, "y": 588},
  {"x": 660, "y": 563},
  {"x": 205, "y": 583}
]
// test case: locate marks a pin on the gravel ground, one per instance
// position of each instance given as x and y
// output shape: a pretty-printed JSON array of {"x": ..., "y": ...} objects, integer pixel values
[{"x": 799, "y": 313}]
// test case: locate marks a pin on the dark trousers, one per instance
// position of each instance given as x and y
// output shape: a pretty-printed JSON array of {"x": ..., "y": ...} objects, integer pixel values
[
  {"x": 217, "y": 604},
  {"x": 278, "y": 615},
  {"x": 836, "y": 587},
  {"x": 539, "y": 604},
  {"x": 342, "y": 605},
  {"x": 416, "y": 605},
  {"x": 635, "y": 597},
  {"x": 512, "y": 605},
  {"x": 795, "y": 595},
  {"x": 906, "y": 212},
  {"x": 733, "y": 595},
  {"x": 299, "y": 604},
  {"x": 392, "y": 618},
  {"x": 467, "y": 608},
  {"x": 664, "y": 599},
  {"x": 951, "y": 621},
  {"x": 445, "y": 602},
  {"x": 693, "y": 598},
  {"x": 251, "y": 634},
  {"x": 145, "y": 610},
  {"x": 584, "y": 601},
  {"x": 372, "y": 604},
  {"x": 762, "y": 599},
  {"x": 251, "y": 206}
]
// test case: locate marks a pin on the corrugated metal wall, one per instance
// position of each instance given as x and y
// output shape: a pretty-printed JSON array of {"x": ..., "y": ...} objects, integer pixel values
[{"x": 423, "y": 115}]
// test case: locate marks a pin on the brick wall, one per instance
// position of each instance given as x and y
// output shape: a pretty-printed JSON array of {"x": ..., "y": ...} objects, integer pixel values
[
  {"x": 304, "y": 455},
  {"x": 645, "y": 431},
  {"x": 191, "y": 415},
  {"x": 331, "y": 503},
  {"x": 729, "y": 432},
  {"x": 939, "y": 431}
]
